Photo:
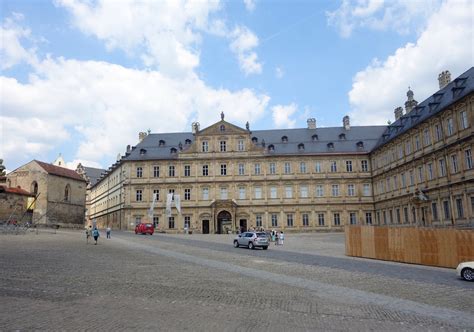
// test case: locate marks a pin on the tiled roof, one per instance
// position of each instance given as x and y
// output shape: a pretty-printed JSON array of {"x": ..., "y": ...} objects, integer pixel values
[
  {"x": 59, "y": 171},
  {"x": 17, "y": 191},
  {"x": 454, "y": 91},
  {"x": 93, "y": 174}
]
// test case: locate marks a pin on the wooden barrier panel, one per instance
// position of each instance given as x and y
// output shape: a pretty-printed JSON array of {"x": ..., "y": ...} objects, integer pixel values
[{"x": 417, "y": 245}]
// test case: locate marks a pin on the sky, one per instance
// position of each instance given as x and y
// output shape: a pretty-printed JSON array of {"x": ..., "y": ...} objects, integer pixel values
[{"x": 82, "y": 78}]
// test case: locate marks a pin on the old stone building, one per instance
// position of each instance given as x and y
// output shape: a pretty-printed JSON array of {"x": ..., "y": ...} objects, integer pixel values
[
  {"x": 224, "y": 177},
  {"x": 60, "y": 193},
  {"x": 16, "y": 205},
  {"x": 91, "y": 175}
]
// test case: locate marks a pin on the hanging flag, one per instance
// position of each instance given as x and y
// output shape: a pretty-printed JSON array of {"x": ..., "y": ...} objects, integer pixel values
[
  {"x": 177, "y": 202},
  {"x": 169, "y": 199},
  {"x": 152, "y": 207}
]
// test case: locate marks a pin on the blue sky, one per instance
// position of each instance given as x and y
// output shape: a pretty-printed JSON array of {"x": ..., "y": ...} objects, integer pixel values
[{"x": 82, "y": 78}]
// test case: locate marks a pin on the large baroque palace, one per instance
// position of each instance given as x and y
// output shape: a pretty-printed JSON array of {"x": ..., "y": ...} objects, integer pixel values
[{"x": 417, "y": 170}]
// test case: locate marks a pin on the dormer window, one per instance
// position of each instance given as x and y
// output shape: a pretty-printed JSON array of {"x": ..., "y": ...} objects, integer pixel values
[
  {"x": 187, "y": 141},
  {"x": 254, "y": 140},
  {"x": 142, "y": 152},
  {"x": 314, "y": 138},
  {"x": 330, "y": 146},
  {"x": 173, "y": 150},
  {"x": 284, "y": 139},
  {"x": 271, "y": 147},
  {"x": 222, "y": 128},
  {"x": 301, "y": 147},
  {"x": 342, "y": 136},
  {"x": 161, "y": 143},
  {"x": 360, "y": 145}
]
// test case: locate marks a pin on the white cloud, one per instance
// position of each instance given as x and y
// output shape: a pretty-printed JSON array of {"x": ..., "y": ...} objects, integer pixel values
[
  {"x": 250, "y": 5},
  {"x": 103, "y": 106},
  {"x": 279, "y": 72},
  {"x": 243, "y": 43},
  {"x": 401, "y": 16},
  {"x": 443, "y": 45},
  {"x": 281, "y": 115}
]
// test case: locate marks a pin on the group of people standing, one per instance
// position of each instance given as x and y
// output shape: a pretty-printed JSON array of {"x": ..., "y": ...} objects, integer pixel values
[
  {"x": 94, "y": 232},
  {"x": 277, "y": 237}
]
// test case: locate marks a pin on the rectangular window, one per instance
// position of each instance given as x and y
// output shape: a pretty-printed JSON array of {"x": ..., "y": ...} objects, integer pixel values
[
  {"x": 171, "y": 170},
  {"x": 350, "y": 190},
  {"x": 337, "y": 219},
  {"x": 399, "y": 219},
  {"x": 438, "y": 132},
  {"x": 388, "y": 184},
  {"x": 404, "y": 180},
  {"x": 319, "y": 190},
  {"x": 405, "y": 215},
  {"x": 348, "y": 166},
  {"x": 187, "y": 194},
  {"x": 240, "y": 145},
  {"x": 223, "y": 169},
  {"x": 289, "y": 220},
  {"x": 302, "y": 167},
  {"x": 222, "y": 146},
  {"x": 258, "y": 219},
  {"x": 364, "y": 165},
  {"x": 417, "y": 143},
  {"x": 449, "y": 126},
  {"x": 156, "y": 221},
  {"x": 241, "y": 192},
  {"x": 258, "y": 192},
  {"x": 241, "y": 169},
  {"x": 223, "y": 193},
  {"x": 454, "y": 163},
  {"x": 139, "y": 195},
  {"x": 156, "y": 194},
  {"x": 407, "y": 147},
  {"x": 272, "y": 168},
  {"x": 257, "y": 169},
  {"x": 434, "y": 210},
  {"x": 335, "y": 190},
  {"x": 366, "y": 189},
  {"x": 464, "y": 120},
  {"x": 317, "y": 167},
  {"x": 187, "y": 221},
  {"x": 400, "y": 151},
  {"x": 273, "y": 192},
  {"x": 156, "y": 171},
  {"x": 442, "y": 167},
  {"x": 287, "y": 168},
  {"x": 205, "y": 146},
  {"x": 420, "y": 174},
  {"x": 426, "y": 137},
  {"x": 139, "y": 172},
  {"x": 384, "y": 213},
  {"x": 274, "y": 220},
  {"x": 459, "y": 208},
  {"x": 171, "y": 191},
  {"x": 205, "y": 194},
  {"x": 205, "y": 170},
  {"x": 430, "y": 171},
  {"x": 288, "y": 192},
  {"x": 304, "y": 191},
  {"x": 391, "y": 216},
  {"x": 446, "y": 210},
  {"x": 368, "y": 218},
  {"x": 138, "y": 220},
  {"x": 333, "y": 166},
  {"x": 468, "y": 158},
  {"x": 305, "y": 219},
  {"x": 353, "y": 218},
  {"x": 321, "y": 219},
  {"x": 395, "y": 182},
  {"x": 412, "y": 178},
  {"x": 170, "y": 222},
  {"x": 187, "y": 170}
]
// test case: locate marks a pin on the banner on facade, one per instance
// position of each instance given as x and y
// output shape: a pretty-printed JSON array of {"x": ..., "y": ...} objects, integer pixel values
[
  {"x": 169, "y": 199},
  {"x": 177, "y": 202},
  {"x": 152, "y": 207}
]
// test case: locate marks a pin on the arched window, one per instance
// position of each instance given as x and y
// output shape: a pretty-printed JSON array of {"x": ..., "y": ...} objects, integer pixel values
[
  {"x": 187, "y": 141},
  {"x": 173, "y": 150},
  {"x": 222, "y": 128},
  {"x": 67, "y": 193},
  {"x": 284, "y": 139},
  {"x": 161, "y": 143},
  {"x": 254, "y": 140},
  {"x": 271, "y": 147},
  {"x": 34, "y": 188},
  {"x": 360, "y": 145},
  {"x": 301, "y": 147},
  {"x": 342, "y": 136},
  {"x": 314, "y": 137},
  {"x": 142, "y": 151},
  {"x": 331, "y": 146}
]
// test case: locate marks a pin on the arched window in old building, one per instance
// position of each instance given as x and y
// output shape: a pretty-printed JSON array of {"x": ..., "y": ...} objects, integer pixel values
[
  {"x": 67, "y": 193},
  {"x": 34, "y": 188}
]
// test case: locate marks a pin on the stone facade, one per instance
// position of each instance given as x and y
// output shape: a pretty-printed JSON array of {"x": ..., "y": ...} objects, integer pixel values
[
  {"x": 60, "y": 193},
  {"x": 16, "y": 205}
]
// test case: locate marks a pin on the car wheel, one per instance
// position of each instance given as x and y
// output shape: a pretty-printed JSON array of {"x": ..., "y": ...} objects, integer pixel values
[
  {"x": 236, "y": 244},
  {"x": 467, "y": 274},
  {"x": 251, "y": 246},
  {"x": 265, "y": 247}
]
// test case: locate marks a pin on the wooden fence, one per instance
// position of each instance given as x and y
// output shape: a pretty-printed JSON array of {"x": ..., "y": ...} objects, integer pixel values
[{"x": 418, "y": 245}]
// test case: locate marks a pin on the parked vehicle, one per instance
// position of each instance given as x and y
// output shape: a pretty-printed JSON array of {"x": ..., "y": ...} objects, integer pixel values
[
  {"x": 465, "y": 270},
  {"x": 144, "y": 229},
  {"x": 252, "y": 240}
]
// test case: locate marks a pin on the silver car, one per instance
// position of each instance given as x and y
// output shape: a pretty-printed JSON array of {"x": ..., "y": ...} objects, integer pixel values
[{"x": 252, "y": 240}]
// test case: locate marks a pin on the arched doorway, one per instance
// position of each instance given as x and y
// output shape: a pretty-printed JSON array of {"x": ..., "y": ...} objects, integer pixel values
[{"x": 224, "y": 222}]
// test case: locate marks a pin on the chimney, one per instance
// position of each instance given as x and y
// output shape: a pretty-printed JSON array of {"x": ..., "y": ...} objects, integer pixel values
[
  {"x": 444, "y": 78},
  {"x": 311, "y": 123},
  {"x": 398, "y": 113},
  {"x": 142, "y": 135},
  {"x": 411, "y": 103},
  {"x": 346, "y": 122},
  {"x": 128, "y": 148}
]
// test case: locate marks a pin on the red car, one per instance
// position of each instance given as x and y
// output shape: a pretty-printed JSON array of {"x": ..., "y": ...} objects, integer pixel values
[{"x": 144, "y": 229}]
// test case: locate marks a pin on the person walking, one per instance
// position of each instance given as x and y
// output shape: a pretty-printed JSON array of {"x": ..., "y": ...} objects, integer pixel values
[
  {"x": 108, "y": 231},
  {"x": 277, "y": 239},
  {"x": 95, "y": 234},
  {"x": 282, "y": 238},
  {"x": 88, "y": 234}
]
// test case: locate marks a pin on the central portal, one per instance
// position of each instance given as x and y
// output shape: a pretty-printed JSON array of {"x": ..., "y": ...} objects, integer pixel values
[{"x": 224, "y": 222}]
